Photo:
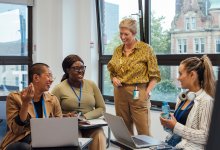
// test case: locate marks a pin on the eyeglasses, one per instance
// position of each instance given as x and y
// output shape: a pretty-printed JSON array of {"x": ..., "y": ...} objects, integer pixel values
[{"x": 78, "y": 68}]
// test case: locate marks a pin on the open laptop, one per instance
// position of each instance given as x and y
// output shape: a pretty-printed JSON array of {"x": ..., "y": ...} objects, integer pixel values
[
  {"x": 122, "y": 135},
  {"x": 56, "y": 132}
]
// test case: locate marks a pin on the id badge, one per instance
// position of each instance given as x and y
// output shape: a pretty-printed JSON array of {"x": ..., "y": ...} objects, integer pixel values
[{"x": 136, "y": 94}]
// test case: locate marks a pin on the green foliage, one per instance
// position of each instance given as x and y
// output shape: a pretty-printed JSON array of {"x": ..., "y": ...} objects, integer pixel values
[
  {"x": 165, "y": 72},
  {"x": 166, "y": 86},
  {"x": 110, "y": 47},
  {"x": 160, "y": 38}
]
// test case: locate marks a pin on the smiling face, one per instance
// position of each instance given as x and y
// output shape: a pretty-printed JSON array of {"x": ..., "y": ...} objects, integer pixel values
[
  {"x": 76, "y": 71},
  {"x": 43, "y": 81},
  {"x": 127, "y": 37}
]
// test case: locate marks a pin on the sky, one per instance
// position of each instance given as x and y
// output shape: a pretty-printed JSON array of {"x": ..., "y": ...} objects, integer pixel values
[
  {"x": 164, "y": 8},
  {"x": 9, "y": 30}
]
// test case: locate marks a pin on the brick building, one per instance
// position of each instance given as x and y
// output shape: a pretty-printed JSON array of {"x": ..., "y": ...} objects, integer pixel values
[{"x": 196, "y": 27}]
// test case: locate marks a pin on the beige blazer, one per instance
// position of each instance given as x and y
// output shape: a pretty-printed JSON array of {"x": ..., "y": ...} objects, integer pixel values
[{"x": 13, "y": 105}]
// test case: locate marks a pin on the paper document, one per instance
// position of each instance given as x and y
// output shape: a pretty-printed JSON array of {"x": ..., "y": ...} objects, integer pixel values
[{"x": 93, "y": 123}]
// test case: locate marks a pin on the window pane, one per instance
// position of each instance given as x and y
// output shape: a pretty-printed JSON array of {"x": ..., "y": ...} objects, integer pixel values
[
  {"x": 166, "y": 90},
  {"x": 169, "y": 87},
  {"x": 107, "y": 84},
  {"x": 112, "y": 12},
  {"x": 13, "y": 29},
  {"x": 176, "y": 19},
  {"x": 12, "y": 78}
]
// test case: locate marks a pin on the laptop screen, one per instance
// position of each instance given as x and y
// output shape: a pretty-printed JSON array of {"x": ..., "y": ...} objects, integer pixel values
[{"x": 54, "y": 132}]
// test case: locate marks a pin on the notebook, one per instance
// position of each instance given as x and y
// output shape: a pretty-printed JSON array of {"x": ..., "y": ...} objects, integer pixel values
[
  {"x": 56, "y": 132},
  {"x": 122, "y": 135}
]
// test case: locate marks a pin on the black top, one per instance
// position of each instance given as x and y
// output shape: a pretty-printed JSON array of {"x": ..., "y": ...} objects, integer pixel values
[{"x": 38, "y": 108}]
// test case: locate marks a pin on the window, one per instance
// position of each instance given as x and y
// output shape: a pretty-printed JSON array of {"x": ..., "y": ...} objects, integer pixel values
[
  {"x": 193, "y": 23},
  {"x": 190, "y": 23},
  {"x": 199, "y": 44},
  {"x": 165, "y": 25},
  {"x": 218, "y": 46},
  {"x": 110, "y": 14},
  {"x": 15, "y": 46},
  {"x": 187, "y": 24},
  {"x": 182, "y": 46}
]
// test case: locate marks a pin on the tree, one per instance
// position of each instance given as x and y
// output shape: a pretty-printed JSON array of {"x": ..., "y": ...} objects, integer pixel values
[{"x": 160, "y": 38}]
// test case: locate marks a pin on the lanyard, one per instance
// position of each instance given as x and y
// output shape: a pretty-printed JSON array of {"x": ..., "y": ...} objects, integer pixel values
[
  {"x": 179, "y": 115},
  {"x": 43, "y": 106},
  {"x": 80, "y": 93}
]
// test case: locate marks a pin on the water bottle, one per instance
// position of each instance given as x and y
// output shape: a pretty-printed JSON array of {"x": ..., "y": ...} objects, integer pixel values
[
  {"x": 165, "y": 110},
  {"x": 166, "y": 114}
]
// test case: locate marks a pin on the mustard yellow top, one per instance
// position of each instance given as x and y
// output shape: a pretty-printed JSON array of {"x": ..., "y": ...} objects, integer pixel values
[{"x": 139, "y": 67}]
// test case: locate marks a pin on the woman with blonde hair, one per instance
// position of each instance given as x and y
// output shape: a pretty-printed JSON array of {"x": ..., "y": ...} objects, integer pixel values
[{"x": 134, "y": 73}]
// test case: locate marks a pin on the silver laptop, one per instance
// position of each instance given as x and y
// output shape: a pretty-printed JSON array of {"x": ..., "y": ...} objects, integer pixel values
[
  {"x": 56, "y": 132},
  {"x": 122, "y": 135}
]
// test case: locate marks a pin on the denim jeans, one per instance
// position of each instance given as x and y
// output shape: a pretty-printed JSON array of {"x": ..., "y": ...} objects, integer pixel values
[{"x": 173, "y": 140}]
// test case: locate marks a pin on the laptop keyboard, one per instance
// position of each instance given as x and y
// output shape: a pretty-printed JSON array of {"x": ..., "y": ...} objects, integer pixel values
[{"x": 139, "y": 141}]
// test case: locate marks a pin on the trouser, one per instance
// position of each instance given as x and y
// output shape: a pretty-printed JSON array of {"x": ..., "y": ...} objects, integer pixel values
[
  {"x": 133, "y": 112},
  {"x": 18, "y": 145},
  {"x": 98, "y": 138}
]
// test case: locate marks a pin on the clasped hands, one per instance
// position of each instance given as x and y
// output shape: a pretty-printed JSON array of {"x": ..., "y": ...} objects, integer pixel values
[
  {"x": 74, "y": 114},
  {"x": 169, "y": 123}
]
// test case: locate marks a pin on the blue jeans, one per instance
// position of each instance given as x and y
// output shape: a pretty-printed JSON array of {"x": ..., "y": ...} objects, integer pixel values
[{"x": 173, "y": 140}]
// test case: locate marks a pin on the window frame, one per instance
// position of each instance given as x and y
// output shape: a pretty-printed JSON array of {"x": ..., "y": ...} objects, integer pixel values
[
  {"x": 21, "y": 60},
  {"x": 187, "y": 24},
  {"x": 182, "y": 46},
  {"x": 193, "y": 23},
  {"x": 217, "y": 45},
  {"x": 200, "y": 42}
]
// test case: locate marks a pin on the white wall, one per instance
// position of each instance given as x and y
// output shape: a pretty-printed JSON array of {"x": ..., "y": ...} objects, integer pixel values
[
  {"x": 47, "y": 34},
  {"x": 62, "y": 27}
]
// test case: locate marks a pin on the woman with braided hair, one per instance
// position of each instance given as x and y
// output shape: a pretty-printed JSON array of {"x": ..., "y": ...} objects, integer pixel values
[{"x": 190, "y": 122}]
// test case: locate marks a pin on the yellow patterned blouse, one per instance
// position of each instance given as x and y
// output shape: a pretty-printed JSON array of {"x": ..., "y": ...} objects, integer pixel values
[{"x": 139, "y": 67}]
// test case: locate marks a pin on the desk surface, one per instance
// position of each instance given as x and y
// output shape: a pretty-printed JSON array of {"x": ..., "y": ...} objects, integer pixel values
[{"x": 127, "y": 147}]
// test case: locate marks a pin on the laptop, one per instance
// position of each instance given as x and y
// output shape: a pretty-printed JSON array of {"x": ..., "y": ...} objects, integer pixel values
[
  {"x": 56, "y": 132},
  {"x": 123, "y": 136}
]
